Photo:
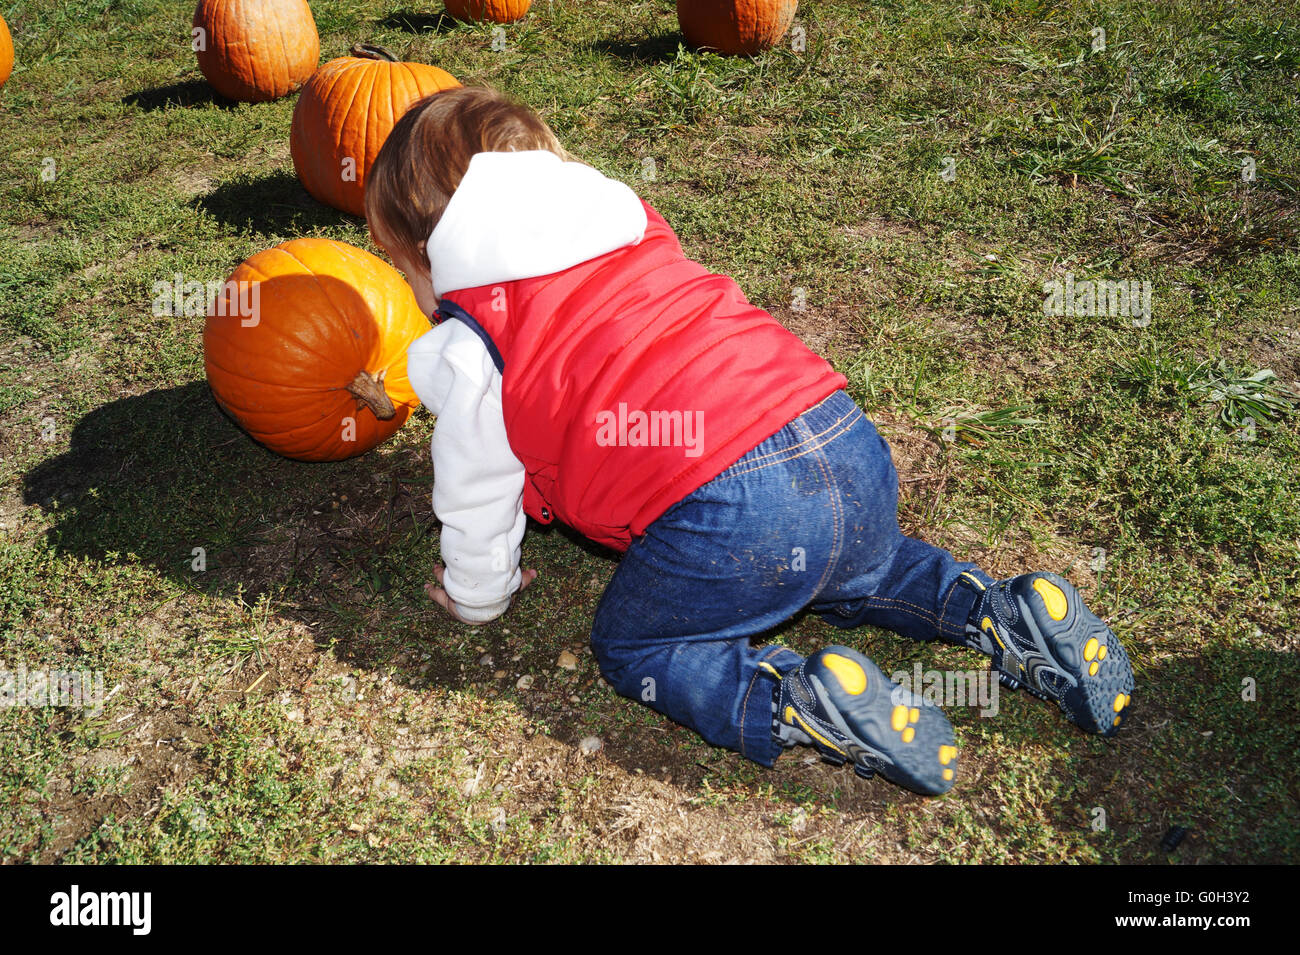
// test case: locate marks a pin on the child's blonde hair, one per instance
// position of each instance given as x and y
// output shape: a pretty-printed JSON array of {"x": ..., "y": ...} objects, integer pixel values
[{"x": 425, "y": 156}]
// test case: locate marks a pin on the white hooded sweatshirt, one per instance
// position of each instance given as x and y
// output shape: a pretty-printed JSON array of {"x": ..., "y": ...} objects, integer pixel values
[{"x": 515, "y": 215}]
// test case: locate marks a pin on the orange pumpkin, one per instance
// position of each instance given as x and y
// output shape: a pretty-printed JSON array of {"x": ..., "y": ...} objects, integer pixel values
[
  {"x": 306, "y": 345},
  {"x": 256, "y": 50},
  {"x": 496, "y": 11},
  {"x": 6, "y": 53},
  {"x": 735, "y": 27},
  {"x": 344, "y": 114}
]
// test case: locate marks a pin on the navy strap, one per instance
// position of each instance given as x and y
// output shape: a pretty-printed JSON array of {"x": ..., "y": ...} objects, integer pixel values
[{"x": 449, "y": 309}]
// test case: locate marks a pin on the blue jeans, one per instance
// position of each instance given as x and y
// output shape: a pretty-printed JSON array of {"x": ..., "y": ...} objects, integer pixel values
[{"x": 809, "y": 518}]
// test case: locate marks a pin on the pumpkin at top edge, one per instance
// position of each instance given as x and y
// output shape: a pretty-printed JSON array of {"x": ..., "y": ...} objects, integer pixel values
[
  {"x": 493, "y": 11},
  {"x": 6, "y": 53},
  {"x": 305, "y": 347},
  {"x": 735, "y": 27},
  {"x": 255, "y": 50},
  {"x": 345, "y": 112}
]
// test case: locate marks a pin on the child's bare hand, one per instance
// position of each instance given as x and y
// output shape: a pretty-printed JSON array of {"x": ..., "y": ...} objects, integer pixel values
[{"x": 443, "y": 599}]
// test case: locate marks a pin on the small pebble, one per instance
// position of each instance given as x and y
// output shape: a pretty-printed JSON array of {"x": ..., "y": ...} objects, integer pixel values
[
  {"x": 485, "y": 660},
  {"x": 524, "y": 682},
  {"x": 567, "y": 661}
]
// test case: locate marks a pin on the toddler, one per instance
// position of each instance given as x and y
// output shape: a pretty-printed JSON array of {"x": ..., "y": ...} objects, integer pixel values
[{"x": 584, "y": 370}]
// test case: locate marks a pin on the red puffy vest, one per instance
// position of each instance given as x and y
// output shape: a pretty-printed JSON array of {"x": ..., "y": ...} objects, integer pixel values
[{"x": 632, "y": 379}]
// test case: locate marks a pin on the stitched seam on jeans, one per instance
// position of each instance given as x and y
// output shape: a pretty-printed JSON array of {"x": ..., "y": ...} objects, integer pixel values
[
  {"x": 744, "y": 706},
  {"x": 805, "y": 428},
  {"x": 943, "y": 613},
  {"x": 919, "y": 611},
  {"x": 837, "y": 542},
  {"x": 793, "y": 457},
  {"x": 811, "y": 437},
  {"x": 796, "y": 447}
]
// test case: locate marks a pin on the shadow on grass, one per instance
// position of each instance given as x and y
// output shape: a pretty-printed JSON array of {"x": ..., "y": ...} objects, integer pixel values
[
  {"x": 154, "y": 477},
  {"x": 652, "y": 49},
  {"x": 343, "y": 547},
  {"x": 409, "y": 22},
  {"x": 182, "y": 95},
  {"x": 273, "y": 205}
]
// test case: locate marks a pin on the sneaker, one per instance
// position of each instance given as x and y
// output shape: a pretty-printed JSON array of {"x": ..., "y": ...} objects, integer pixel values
[
  {"x": 1041, "y": 637},
  {"x": 840, "y": 703}
]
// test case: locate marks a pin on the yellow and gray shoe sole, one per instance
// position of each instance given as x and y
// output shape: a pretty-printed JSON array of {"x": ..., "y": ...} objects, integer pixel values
[
  {"x": 855, "y": 714},
  {"x": 1063, "y": 652}
]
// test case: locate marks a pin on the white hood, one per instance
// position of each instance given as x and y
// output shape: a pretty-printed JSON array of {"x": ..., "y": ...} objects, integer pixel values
[{"x": 518, "y": 215}]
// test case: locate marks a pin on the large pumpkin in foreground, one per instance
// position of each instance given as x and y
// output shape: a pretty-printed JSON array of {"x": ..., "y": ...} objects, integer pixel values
[
  {"x": 256, "y": 50},
  {"x": 735, "y": 27},
  {"x": 6, "y": 53},
  {"x": 494, "y": 11},
  {"x": 306, "y": 348},
  {"x": 344, "y": 114}
]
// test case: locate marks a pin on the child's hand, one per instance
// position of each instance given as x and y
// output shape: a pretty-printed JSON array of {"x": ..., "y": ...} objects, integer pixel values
[{"x": 443, "y": 600}]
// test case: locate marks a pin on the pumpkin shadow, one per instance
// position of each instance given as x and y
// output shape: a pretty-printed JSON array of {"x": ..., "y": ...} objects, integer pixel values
[
  {"x": 182, "y": 95},
  {"x": 167, "y": 480},
  {"x": 274, "y": 205},
  {"x": 409, "y": 22},
  {"x": 155, "y": 476},
  {"x": 662, "y": 48}
]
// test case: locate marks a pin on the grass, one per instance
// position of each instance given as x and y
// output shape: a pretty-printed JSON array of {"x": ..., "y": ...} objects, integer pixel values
[{"x": 299, "y": 699}]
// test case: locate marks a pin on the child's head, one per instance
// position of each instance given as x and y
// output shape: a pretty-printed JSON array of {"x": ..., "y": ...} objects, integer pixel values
[{"x": 427, "y": 153}]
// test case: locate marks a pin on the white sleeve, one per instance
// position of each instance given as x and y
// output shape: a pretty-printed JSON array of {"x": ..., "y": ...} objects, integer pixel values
[{"x": 478, "y": 483}]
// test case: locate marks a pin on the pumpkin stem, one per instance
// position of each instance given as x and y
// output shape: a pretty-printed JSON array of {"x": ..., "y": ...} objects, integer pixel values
[
  {"x": 369, "y": 391},
  {"x": 369, "y": 51}
]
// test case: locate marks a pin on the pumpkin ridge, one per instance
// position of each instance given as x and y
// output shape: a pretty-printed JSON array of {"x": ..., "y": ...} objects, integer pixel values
[
  {"x": 298, "y": 344},
  {"x": 313, "y": 389},
  {"x": 299, "y": 136},
  {"x": 344, "y": 114},
  {"x": 255, "y": 55},
  {"x": 249, "y": 55},
  {"x": 369, "y": 127},
  {"x": 252, "y": 410},
  {"x": 305, "y": 271},
  {"x": 284, "y": 48},
  {"x": 306, "y": 430},
  {"x": 268, "y": 66},
  {"x": 341, "y": 313},
  {"x": 415, "y": 84}
]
